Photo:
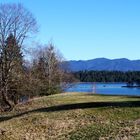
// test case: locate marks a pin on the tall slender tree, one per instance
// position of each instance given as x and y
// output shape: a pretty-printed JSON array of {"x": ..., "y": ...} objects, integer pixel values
[
  {"x": 16, "y": 23},
  {"x": 11, "y": 70}
]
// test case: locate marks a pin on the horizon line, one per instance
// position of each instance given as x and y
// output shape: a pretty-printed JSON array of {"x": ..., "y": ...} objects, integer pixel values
[{"x": 104, "y": 58}]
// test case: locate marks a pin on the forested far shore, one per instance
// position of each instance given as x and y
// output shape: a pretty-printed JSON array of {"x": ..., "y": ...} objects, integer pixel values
[{"x": 108, "y": 76}]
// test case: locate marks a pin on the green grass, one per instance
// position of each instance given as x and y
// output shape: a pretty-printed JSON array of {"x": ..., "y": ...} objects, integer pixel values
[{"x": 73, "y": 116}]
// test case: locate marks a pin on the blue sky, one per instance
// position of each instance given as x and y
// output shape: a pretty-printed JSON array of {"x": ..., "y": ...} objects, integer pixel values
[{"x": 87, "y": 29}]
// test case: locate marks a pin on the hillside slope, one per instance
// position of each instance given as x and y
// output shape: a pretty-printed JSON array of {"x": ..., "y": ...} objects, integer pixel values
[{"x": 73, "y": 116}]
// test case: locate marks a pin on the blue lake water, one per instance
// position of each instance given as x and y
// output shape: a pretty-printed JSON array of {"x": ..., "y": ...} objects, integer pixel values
[{"x": 104, "y": 88}]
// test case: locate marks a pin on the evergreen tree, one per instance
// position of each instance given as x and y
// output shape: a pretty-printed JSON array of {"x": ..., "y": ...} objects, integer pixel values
[{"x": 11, "y": 71}]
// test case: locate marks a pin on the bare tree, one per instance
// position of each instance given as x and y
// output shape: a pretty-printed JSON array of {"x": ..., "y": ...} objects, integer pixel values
[
  {"x": 18, "y": 21},
  {"x": 15, "y": 19},
  {"x": 48, "y": 71}
]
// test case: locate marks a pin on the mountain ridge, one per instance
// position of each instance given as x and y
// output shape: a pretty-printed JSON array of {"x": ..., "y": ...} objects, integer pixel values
[{"x": 119, "y": 64}]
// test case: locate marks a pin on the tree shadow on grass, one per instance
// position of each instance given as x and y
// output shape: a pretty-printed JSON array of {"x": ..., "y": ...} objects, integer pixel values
[{"x": 67, "y": 107}]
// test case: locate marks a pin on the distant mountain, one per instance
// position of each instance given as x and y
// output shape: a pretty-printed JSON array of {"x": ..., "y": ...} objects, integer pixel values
[{"x": 99, "y": 64}]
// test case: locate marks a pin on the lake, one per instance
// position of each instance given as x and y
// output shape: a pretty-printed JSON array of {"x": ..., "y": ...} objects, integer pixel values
[{"x": 104, "y": 88}]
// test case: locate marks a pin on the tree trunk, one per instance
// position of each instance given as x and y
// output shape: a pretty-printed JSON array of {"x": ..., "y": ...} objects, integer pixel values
[{"x": 9, "y": 103}]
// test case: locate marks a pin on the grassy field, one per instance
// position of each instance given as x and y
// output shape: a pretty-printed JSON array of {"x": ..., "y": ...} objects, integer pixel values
[{"x": 73, "y": 116}]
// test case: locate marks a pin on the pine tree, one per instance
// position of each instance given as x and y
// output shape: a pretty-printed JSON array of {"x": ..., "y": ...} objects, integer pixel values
[{"x": 11, "y": 71}]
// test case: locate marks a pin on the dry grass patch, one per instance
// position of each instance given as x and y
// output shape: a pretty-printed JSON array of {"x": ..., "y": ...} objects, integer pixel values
[{"x": 73, "y": 116}]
